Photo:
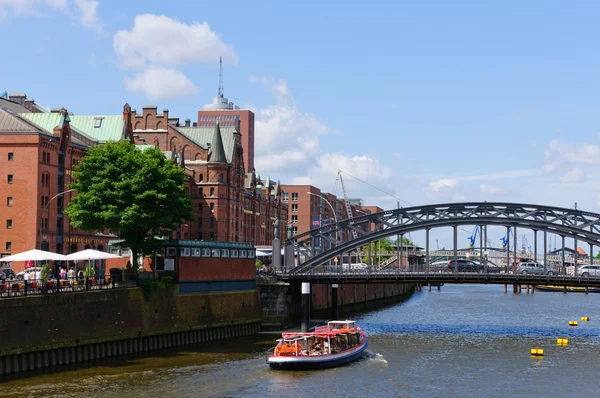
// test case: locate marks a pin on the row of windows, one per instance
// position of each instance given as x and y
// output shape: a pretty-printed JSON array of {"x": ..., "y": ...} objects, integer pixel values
[
  {"x": 210, "y": 252},
  {"x": 213, "y": 117}
]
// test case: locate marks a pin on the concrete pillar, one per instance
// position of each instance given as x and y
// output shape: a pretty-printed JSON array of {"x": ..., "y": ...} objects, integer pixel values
[
  {"x": 334, "y": 303},
  {"x": 305, "y": 307}
]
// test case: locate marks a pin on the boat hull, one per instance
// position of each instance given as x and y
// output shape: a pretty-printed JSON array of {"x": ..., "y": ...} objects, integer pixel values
[{"x": 317, "y": 361}]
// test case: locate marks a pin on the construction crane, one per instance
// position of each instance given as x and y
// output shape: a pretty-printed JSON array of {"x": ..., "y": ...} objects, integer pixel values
[
  {"x": 525, "y": 247},
  {"x": 348, "y": 207},
  {"x": 505, "y": 239},
  {"x": 473, "y": 236}
]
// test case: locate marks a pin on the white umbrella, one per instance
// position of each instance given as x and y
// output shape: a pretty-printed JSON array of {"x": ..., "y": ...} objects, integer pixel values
[
  {"x": 90, "y": 254},
  {"x": 34, "y": 255}
]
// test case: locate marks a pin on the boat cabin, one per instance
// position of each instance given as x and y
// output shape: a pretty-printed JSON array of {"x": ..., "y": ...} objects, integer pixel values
[{"x": 335, "y": 337}]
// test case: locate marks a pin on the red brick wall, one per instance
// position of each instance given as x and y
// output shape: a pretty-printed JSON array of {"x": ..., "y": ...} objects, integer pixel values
[{"x": 195, "y": 268}]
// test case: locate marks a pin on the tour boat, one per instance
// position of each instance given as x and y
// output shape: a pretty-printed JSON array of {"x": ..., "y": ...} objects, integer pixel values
[
  {"x": 570, "y": 289},
  {"x": 334, "y": 344}
]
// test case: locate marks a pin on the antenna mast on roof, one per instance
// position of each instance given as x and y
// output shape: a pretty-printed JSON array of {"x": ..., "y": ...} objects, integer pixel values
[{"x": 220, "y": 95}]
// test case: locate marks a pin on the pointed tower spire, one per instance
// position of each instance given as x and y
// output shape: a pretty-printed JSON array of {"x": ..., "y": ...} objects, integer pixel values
[
  {"x": 220, "y": 95},
  {"x": 217, "y": 152}
]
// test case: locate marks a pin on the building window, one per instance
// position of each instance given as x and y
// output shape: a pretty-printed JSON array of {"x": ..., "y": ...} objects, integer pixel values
[
  {"x": 294, "y": 195},
  {"x": 9, "y": 224},
  {"x": 200, "y": 207},
  {"x": 201, "y": 178},
  {"x": 212, "y": 192},
  {"x": 285, "y": 196},
  {"x": 295, "y": 230},
  {"x": 97, "y": 123},
  {"x": 212, "y": 207},
  {"x": 212, "y": 236},
  {"x": 211, "y": 222},
  {"x": 295, "y": 208},
  {"x": 10, "y": 179},
  {"x": 221, "y": 178},
  {"x": 8, "y": 246},
  {"x": 9, "y": 201},
  {"x": 11, "y": 156},
  {"x": 294, "y": 219}
]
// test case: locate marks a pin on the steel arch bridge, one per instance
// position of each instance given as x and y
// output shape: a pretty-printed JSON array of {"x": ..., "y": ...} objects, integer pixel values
[{"x": 567, "y": 223}]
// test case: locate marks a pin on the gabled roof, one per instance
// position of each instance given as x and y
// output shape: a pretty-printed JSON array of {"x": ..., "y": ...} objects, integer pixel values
[
  {"x": 112, "y": 127},
  {"x": 12, "y": 106},
  {"x": 205, "y": 135},
  {"x": 10, "y": 123}
]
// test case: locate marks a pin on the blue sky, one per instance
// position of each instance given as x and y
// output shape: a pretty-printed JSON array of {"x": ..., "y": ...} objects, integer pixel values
[{"x": 432, "y": 101}]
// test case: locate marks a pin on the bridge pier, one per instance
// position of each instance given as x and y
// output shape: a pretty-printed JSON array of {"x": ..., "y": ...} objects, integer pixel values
[
  {"x": 505, "y": 288},
  {"x": 305, "y": 307},
  {"x": 429, "y": 287},
  {"x": 334, "y": 303}
]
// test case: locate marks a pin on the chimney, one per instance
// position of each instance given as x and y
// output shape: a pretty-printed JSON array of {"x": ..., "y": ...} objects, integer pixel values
[
  {"x": 166, "y": 114},
  {"x": 195, "y": 124},
  {"x": 187, "y": 122}
]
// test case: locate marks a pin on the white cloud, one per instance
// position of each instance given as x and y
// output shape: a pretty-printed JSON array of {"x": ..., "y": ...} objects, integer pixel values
[
  {"x": 161, "y": 83},
  {"x": 438, "y": 185},
  {"x": 88, "y": 16},
  {"x": 162, "y": 41},
  {"x": 31, "y": 7},
  {"x": 285, "y": 136},
  {"x": 575, "y": 175},
  {"x": 287, "y": 143},
  {"x": 559, "y": 152},
  {"x": 489, "y": 189},
  {"x": 85, "y": 10}
]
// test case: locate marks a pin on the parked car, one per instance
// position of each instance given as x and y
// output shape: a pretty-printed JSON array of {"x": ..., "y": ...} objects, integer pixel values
[
  {"x": 21, "y": 275},
  {"x": 533, "y": 268},
  {"x": 465, "y": 266},
  {"x": 589, "y": 270}
]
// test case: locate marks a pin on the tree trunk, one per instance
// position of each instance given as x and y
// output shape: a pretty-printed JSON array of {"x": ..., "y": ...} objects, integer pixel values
[{"x": 134, "y": 263}]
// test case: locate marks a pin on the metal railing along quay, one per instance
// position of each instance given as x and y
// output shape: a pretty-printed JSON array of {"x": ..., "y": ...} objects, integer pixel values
[
  {"x": 439, "y": 276},
  {"x": 22, "y": 288}
]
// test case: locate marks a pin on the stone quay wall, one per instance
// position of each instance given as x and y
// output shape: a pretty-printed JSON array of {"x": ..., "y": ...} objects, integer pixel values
[{"x": 58, "y": 329}]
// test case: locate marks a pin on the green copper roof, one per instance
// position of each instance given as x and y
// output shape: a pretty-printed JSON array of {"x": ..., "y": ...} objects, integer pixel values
[
  {"x": 111, "y": 127},
  {"x": 205, "y": 135}
]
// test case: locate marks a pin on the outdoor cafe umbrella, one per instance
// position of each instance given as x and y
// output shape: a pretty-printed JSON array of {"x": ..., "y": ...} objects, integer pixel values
[
  {"x": 35, "y": 255},
  {"x": 90, "y": 254}
]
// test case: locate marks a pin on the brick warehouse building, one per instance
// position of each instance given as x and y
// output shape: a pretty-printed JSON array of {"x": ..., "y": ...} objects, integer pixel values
[
  {"x": 37, "y": 152},
  {"x": 230, "y": 203}
]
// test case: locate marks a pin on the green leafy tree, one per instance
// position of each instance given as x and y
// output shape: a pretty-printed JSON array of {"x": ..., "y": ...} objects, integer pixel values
[{"x": 136, "y": 194}]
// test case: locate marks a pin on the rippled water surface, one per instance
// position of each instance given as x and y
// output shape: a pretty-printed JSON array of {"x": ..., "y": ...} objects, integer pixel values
[{"x": 462, "y": 341}]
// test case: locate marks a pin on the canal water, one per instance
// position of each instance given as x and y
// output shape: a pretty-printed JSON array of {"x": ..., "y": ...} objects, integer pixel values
[{"x": 462, "y": 341}]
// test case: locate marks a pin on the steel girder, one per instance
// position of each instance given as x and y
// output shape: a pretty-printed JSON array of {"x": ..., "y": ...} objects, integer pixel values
[{"x": 582, "y": 225}]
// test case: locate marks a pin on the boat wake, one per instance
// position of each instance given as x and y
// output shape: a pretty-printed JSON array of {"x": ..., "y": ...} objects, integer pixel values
[{"x": 375, "y": 357}]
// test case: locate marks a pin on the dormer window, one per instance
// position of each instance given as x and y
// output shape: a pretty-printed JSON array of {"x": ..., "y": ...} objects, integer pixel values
[{"x": 97, "y": 123}]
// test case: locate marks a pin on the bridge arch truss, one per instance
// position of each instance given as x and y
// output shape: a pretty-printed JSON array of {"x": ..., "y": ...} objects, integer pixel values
[{"x": 582, "y": 226}]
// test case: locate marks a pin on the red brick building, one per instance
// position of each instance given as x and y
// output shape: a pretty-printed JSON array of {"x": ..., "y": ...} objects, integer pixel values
[
  {"x": 37, "y": 152},
  {"x": 231, "y": 204}
]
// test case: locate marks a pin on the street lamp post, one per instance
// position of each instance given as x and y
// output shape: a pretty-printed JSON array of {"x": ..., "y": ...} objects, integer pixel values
[
  {"x": 45, "y": 208},
  {"x": 332, "y": 211}
]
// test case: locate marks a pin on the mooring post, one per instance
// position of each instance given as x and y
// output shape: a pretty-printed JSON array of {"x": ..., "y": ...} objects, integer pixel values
[
  {"x": 334, "y": 304},
  {"x": 305, "y": 307}
]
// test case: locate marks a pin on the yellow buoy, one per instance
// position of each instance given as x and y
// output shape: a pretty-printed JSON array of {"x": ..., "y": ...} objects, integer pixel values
[
  {"x": 573, "y": 323},
  {"x": 585, "y": 318},
  {"x": 538, "y": 352},
  {"x": 562, "y": 341}
]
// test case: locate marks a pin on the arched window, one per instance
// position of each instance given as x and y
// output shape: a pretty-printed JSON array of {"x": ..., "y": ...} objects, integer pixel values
[
  {"x": 212, "y": 207},
  {"x": 212, "y": 192},
  {"x": 201, "y": 177},
  {"x": 221, "y": 178}
]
